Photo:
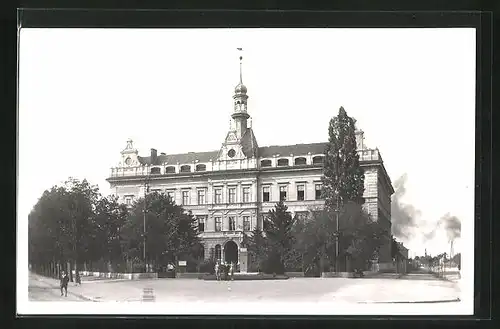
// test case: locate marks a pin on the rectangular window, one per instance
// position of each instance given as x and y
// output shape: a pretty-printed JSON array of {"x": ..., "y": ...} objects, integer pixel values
[
  {"x": 283, "y": 190},
  {"x": 185, "y": 197},
  {"x": 246, "y": 223},
  {"x": 300, "y": 192},
  {"x": 201, "y": 223},
  {"x": 318, "y": 195},
  {"x": 218, "y": 224},
  {"x": 232, "y": 224},
  {"x": 232, "y": 195},
  {"x": 266, "y": 194},
  {"x": 218, "y": 196},
  {"x": 246, "y": 194},
  {"x": 171, "y": 195},
  {"x": 201, "y": 196},
  {"x": 128, "y": 201}
]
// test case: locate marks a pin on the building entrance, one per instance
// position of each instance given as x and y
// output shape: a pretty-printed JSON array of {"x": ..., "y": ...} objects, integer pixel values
[{"x": 231, "y": 252}]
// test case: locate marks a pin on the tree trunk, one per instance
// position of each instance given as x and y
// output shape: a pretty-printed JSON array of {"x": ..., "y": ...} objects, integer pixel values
[{"x": 77, "y": 272}]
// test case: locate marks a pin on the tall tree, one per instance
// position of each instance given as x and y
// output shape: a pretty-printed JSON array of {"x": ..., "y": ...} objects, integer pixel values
[
  {"x": 110, "y": 217},
  {"x": 343, "y": 178},
  {"x": 257, "y": 246},
  {"x": 82, "y": 198},
  {"x": 279, "y": 232},
  {"x": 60, "y": 224}
]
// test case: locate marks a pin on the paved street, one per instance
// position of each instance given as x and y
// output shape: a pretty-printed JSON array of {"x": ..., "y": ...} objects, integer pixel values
[{"x": 386, "y": 289}]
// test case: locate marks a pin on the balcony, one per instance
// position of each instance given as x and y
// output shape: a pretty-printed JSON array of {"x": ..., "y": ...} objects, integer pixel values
[
  {"x": 232, "y": 206},
  {"x": 222, "y": 234},
  {"x": 369, "y": 155}
]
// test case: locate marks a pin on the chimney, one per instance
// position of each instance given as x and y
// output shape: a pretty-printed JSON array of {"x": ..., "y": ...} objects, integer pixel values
[
  {"x": 360, "y": 143},
  {"x": 154, "y": 156}
]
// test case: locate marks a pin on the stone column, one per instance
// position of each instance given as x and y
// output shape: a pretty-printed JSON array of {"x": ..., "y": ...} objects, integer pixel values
[
  {"x": 239, "y": 193},
  {"x": 254, "y": 193}
]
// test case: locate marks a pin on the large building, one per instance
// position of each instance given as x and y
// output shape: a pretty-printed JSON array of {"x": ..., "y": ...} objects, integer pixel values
[{"x": 229, "y": 190}]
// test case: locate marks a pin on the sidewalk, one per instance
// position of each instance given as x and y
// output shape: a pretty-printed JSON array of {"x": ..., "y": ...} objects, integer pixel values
[{"x": 95, "y": 291}]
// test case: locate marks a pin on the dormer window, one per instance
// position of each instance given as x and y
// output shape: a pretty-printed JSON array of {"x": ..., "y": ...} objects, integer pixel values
[
  {"x": 265, "y": 163},
  {"x": 300, "y": 161},
  {"x": 318, "y": 160},
  {"x": 282, "y": 162},
  {"x": 186, "y": 168}
]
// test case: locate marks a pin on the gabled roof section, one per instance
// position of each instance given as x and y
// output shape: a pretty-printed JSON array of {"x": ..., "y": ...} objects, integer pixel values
[
  {"x": 249, "y": 144},
  {"x": 286, "y": 150}
]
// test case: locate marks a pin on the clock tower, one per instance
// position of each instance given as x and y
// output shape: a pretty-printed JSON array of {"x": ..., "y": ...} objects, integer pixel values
[{"x": 240, "y": 142}]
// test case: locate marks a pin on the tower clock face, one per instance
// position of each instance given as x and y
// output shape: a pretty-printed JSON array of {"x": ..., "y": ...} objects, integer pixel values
[
  {"x": 128, "y": 161},
  {"x": 231, "y": 153}
]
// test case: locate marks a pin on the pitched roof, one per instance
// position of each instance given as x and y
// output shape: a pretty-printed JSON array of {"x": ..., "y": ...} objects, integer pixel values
[
  {"x": 250, "y": 148},
  {"x": 249, "y": 144},
  {"x": 297, "y": 149}
]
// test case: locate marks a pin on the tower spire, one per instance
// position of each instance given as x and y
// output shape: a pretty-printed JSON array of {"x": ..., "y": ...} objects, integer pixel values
[{"x": 241, "y": 70}]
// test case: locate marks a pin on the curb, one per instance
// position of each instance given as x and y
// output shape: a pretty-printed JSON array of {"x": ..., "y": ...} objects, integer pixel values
[{"x": 416, "y": 302}]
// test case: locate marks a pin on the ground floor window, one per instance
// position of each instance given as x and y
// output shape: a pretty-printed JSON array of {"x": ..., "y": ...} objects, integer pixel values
[{"x": 218, "y": 252}]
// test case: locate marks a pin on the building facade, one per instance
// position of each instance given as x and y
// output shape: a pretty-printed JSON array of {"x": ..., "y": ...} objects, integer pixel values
[{"x": 231, "y": 189}]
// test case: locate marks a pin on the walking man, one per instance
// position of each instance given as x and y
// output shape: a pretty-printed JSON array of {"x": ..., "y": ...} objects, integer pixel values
[{"x": 64, "y": 283}]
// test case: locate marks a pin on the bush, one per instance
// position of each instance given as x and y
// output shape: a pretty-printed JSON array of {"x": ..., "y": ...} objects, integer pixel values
[
  {"x": 207, "y": 266},
  {"x": 272, "y": 265}
]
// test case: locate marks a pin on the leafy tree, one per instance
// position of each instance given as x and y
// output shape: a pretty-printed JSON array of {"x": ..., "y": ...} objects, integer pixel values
[
  {"x": 361, "y": 237},
  {"x": 359, "y": 240},
  {"x": 110, "y": 217},
  {"x": 81, "y": 199},
  {"x": 170, "y": 231},
  {"x": 60, "y": 224},
  {"x": 343, "y": 178},
  {"x": 279, "y": 232}
]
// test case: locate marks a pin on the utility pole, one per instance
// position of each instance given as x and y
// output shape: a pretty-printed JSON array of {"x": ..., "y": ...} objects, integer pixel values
[{"x": 146, "y": 189}]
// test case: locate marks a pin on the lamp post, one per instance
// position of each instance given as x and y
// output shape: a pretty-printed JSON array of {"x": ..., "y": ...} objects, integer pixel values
[{"x": 146, "y": 190}]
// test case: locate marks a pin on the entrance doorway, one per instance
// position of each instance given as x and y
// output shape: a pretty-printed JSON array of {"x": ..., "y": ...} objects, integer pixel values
[{"x": 231, "y": 252}]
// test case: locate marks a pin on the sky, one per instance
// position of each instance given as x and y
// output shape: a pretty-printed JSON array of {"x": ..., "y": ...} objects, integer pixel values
[{"x": 84, "y": 92}]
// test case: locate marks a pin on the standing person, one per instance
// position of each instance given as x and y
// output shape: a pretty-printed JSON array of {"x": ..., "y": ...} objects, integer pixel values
[
  {"x": 231, "y": 271},
  {"x": 217, "y": 271},
  {"x": 64, "y": 283}
]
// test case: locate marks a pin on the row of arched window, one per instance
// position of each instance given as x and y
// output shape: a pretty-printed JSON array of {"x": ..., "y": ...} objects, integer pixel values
[
  {"x": 184, "y": 168},
  {"x": 301, "y": 161},
  {"x": 297, "y": 162}
]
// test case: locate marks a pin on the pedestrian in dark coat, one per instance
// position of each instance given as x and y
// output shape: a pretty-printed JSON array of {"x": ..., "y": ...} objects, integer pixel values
[{"x": 64, "y": 283}]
